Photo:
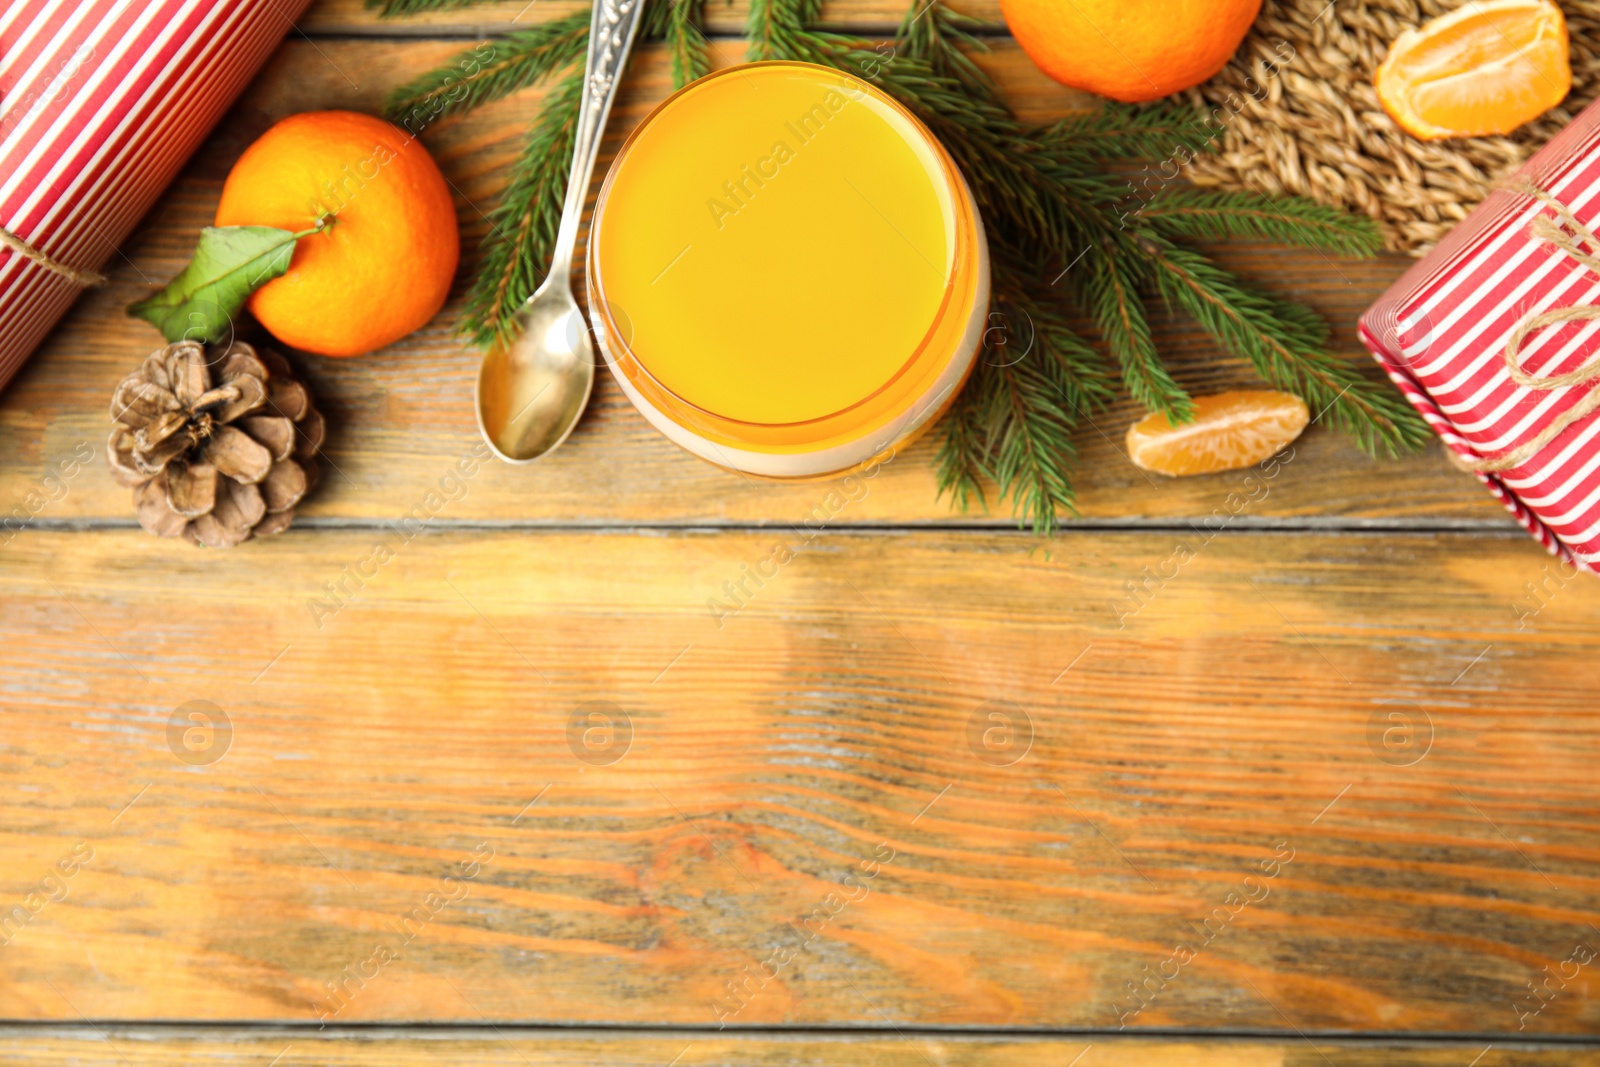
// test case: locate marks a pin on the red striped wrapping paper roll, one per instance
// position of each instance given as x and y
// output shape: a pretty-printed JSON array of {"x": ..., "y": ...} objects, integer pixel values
[
  {"x": 1441, "y": 333},
  {"x": 101, "y": 102}
]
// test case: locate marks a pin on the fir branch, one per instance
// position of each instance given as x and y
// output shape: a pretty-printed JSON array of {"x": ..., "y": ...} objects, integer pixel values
[
  {"x": 491, "y": 71},
  {"x": 691, "y": 52},
  {"x": 1217, "y": 216},
  {"x": 1251, "y": 325},
  {"x": 774, "y": 27},
  {"x": 1308, "y": 328},
  {"x": 1116, "y": 131},
  {"x": 1281, "y": 338},
  {"x": 959, "y": 463},
  {"x": 1029, "y": 435},
  {"x": 945, "y": 42},
  {"x": 522, "y": 227},
  {"x": 1031, "y": 360},
  {"x": 1078, "y": 372},
  {"x": 1110, "y": 292}
]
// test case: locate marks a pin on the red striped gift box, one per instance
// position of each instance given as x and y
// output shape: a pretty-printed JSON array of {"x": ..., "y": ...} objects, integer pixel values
[
  {"x": 1441, "y": 333},
  {"x": 101, "y": 102}
]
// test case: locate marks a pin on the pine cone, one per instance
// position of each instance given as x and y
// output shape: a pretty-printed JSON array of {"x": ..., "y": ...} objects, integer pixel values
[{"x": 215, "y": 464}]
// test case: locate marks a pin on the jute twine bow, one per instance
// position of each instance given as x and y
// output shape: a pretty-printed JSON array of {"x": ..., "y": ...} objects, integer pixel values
[
  {"x": 84, "y": 279},
  {"x": 1569, "y": 235}
]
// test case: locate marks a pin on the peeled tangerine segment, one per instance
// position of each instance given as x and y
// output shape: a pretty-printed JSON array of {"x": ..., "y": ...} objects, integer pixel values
[
  {"x": 1485, "y": 68},
  {"x": 1229, "y": 431}
]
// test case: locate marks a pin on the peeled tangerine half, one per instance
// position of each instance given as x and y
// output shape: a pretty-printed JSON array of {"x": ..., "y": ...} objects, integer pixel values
[
  {"x": 1485, "y": 68},
  {"x": 1229, "y": 431}
]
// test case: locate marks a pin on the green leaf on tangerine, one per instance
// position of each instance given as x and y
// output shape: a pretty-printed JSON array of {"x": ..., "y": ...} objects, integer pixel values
[{"x": 229, "y": 264}]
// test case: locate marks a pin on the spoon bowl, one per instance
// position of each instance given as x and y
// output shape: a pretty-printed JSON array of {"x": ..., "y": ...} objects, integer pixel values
[{"x": 532, "y": 388}]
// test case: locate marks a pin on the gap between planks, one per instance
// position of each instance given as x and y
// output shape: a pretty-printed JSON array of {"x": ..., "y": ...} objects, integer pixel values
[
  {"x": 999, "y": 524},
  {"x": 170, "y": 1028},
  {"x": 466, "y": 35}
]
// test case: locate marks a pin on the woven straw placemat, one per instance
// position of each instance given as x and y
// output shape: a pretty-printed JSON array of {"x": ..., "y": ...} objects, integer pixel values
[{"x": 1312, "y": 125}]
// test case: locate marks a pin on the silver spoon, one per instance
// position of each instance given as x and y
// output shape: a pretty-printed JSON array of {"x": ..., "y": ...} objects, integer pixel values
[{"x": 533, "y": 388}]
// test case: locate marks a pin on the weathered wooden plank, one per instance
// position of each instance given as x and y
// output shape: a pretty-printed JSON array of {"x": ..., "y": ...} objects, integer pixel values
[
  {"x": 152, "y": 1047},
  {"x": 1352, "y": 774},
  {"x": 340, "y": 17},
  {"x": 401, "y": 417}
]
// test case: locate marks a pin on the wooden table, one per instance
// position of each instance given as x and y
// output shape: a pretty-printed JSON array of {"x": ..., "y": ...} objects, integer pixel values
[{"x": 1334, "y": 782}]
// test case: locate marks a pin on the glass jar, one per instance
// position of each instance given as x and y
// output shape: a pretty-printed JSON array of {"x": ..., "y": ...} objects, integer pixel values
[{"x": 787, "y": 274}]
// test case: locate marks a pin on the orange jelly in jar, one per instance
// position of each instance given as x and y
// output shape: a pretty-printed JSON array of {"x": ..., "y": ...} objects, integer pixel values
[{"x": 787, "y": 274}]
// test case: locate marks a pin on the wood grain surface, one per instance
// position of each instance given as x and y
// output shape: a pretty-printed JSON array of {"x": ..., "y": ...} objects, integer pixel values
[
  {"x": 1364, "y": 710},
  {"x": 722, "y": 17},
  {"x": 400, "y": 416},
  {"x": 510, "y": 1047}
]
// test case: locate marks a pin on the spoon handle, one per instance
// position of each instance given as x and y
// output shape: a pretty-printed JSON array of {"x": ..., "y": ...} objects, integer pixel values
[{"x": 611, "y": 32}]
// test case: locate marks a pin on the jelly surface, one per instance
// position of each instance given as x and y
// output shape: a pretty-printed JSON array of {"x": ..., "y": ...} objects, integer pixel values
[{"x": 775, "y": 243}]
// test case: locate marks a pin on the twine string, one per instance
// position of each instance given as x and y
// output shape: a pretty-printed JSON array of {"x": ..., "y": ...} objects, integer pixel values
[
  {"x": 84, "y": 279},
  {"x": 1565, "y": 233}
]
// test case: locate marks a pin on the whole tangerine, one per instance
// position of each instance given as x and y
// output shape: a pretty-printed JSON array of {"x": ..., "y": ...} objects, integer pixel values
[
  {"x": 1131, "y": 50},
  {"x": 381, "y": 266}
]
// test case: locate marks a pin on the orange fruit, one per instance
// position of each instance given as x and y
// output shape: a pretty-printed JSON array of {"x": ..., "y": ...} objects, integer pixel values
[
  {"x": 1229, "y": 431},
  {"x": 383, "y": 267},
  {"x": 1130, "y": 50},
  {"x": 1485, "y": 68}
]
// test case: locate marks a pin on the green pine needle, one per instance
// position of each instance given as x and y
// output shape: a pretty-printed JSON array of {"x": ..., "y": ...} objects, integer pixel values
[
  {"x": 1078, "y": 372},
  {"x": 947, "y": 42},
  {"x": 1111, "y": 294},
  {"x": 490, "y": 71},
  {"x": 1203, "y": 215},
  {"x": 1252, "y": 326},
  {"x": 1125, "y": 131},
  {"x": 1034, "y": 382},
  {"x": 522, "y": 227},
  {"x": 961, "y": 449},
  {"x": 1030, "y": 439},
  {"x": 1069, "y": 239},
  {"x": 691, "y": 52}
]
